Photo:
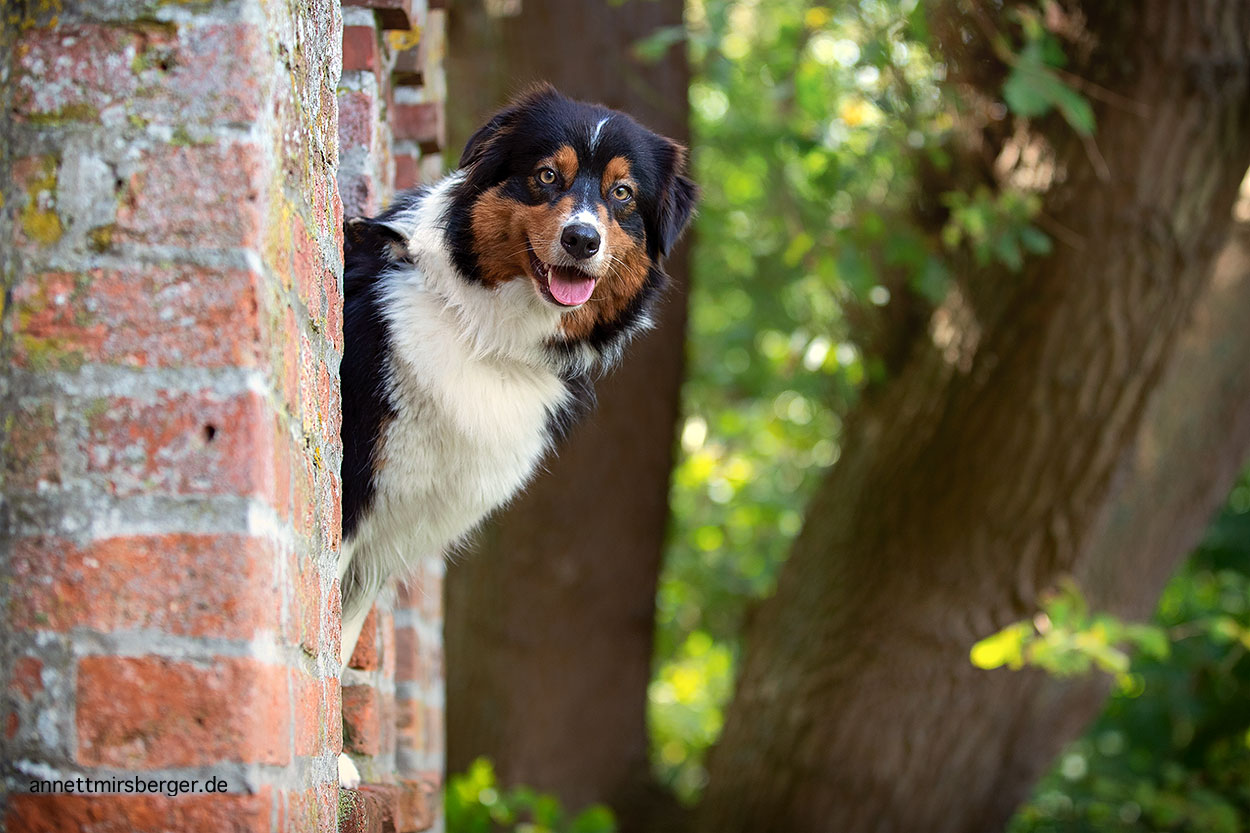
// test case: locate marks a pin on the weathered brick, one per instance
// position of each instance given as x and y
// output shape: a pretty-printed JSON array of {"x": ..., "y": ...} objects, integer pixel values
[
  {"x": 316, "y": 709},
  {"x": 410, "y": 724},
  {"x": 311, "y": 811},
  {"x": 200, "y": 196},
  {"x": 154, "y": 72},
  {"x": 407, "y": 174},
  {"x": 150, "y": 712},
  {"x": 422, "y": 123},
  {"x": 27, "y": 680},
  {"x": 32, "y": 462},
  {"x": 417, "y": 803},
  {"x": 147, "y": 316},
  {"x": 393, "y": 14},
  {"x": 195, "y": 813},
  {"x": 184, "y": 444},
  {"x": 365, "y": 657},
  {"x": 423, "y": 593},
  {"x": 35, "y": 183},
  {"x": 308, "y": 605},
  {"x": 357, "y": 120},
  {"x": 362, "y": 720},
  {"x": 360, "y": 48},
  {"x": 172, "y": 583},
  {"x": 370, "y": 809}
]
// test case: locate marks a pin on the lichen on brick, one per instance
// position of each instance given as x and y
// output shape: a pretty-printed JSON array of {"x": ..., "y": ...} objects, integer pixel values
[
  {"x": 100, "y": 238},
  {"x": 79, "y": 111},
  {"x": 38, "y": 218}
]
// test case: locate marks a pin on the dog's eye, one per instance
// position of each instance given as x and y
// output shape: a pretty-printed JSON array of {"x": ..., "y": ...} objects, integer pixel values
[
  {"x": 546, "y": 176},
  {"x": 623, "y": 193}
]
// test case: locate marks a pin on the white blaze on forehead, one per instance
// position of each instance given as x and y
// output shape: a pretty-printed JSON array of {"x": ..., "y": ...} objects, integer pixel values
[{"x": 594, "y": 138}]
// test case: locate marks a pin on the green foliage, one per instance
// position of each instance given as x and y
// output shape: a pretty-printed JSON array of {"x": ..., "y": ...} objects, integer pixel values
[
  {"x": 1171, "y": 752},
  {"x": 474, "y": 803},
  {"x": 1066, "y": 639},
  {"x": 808, "y": 121},
  {"x": 1035, "y": 87}
]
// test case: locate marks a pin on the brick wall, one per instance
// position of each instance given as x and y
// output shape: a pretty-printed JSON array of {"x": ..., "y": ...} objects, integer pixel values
[{"x": 170, "y": 237}]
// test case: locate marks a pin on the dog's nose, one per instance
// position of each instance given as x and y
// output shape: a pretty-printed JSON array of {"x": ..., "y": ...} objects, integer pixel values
[{"x": 580, "y": 240}]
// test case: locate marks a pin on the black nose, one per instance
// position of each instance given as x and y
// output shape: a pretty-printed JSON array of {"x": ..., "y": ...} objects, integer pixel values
[{"x": 580, "y": 240}]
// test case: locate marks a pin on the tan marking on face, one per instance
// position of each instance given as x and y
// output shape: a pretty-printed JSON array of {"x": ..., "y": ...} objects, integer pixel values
[
  {"x": 617, "y": 171},
  {"x": 504, "y": 230},
  {"x": 564, "y": 160},
  {"x": 625, "y": 279}
]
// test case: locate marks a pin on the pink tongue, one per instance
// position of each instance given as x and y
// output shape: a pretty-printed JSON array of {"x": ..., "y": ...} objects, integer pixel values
[{"x": 570, "y": 288}]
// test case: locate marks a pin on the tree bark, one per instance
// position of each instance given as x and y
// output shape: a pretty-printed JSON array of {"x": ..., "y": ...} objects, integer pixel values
[
  {"x": 997, "y": 463},
  {"x": 549, "y": 623}
]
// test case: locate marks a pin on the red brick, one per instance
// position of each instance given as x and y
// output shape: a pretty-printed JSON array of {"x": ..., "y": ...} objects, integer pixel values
[
  {"x": 365, "y": 657},
  {"x": 186, "y": 444},
  {"x": 191, "y": 813},
  {"x": 150, "y": 712},
  {"x": 370, "y": 809},
  {"x": 309, "y": 266},
  {"x": 422, "y": 123},
  {"x": 307, "y": 606},
  {"x": 199, "y": 74},
  {"x": 316, "y": 709},
  {"x": 357, "y": 122},
  {"x": 312, "y": 811},
  {"x": 164, "y": 317},
  {"x": 423, "y": 593},
  {"x": 434, "y": 731},
  {"x": 334, "y": 618},
  {"x": 27, "y": 680},
  {"x": 388, "y": 711},
  {"x": 362, "y": 720},
  {"x": 408, "y": 660},
  {"x": 197, "y": 585},
  {"x": 360, "y": 48},
  {"x": 417, "y": 802},
  {"x": 31, "y": 459},
  {"x": 410, "y": 724},
  {"x": 407, "y": 174},
  {"x": 203, "y": 196},
  {"x": 393, "y": 14}
]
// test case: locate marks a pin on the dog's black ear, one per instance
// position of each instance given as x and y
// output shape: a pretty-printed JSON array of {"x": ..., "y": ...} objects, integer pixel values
[
  {"x": 370, "y": 238},
  {"x": 475, "y": 150},
  {"x": 677, "y": 204},
  {"x": 676, "y": 211},
  {"x": 480, "y": 140}
]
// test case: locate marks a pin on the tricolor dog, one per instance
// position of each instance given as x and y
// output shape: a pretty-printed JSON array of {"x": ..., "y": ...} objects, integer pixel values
[{"x": 477, "y": 312}]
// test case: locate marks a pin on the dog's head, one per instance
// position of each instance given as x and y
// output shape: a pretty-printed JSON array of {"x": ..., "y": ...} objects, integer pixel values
[{"x": 580, "y": 201}]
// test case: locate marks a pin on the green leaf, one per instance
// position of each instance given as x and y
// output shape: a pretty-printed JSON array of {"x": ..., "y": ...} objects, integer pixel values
[
  {"x": 1035, "y": 241},
  {"x": 1003, "y": 648}
]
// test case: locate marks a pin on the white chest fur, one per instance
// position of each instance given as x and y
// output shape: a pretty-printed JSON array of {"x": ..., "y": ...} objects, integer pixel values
[{"x": 473, "y": 390}]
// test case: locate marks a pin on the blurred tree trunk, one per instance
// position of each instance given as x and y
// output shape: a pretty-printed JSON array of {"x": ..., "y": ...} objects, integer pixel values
[
  {"x": 549, "y": 626},
  {"x": 1021, "y": 443}
]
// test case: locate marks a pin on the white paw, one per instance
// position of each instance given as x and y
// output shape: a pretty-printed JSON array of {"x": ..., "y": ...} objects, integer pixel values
[{"x": 349, "y": 776}]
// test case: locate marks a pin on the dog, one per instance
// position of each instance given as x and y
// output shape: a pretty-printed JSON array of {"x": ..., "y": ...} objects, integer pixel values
[{"x": 478, "y": 311}]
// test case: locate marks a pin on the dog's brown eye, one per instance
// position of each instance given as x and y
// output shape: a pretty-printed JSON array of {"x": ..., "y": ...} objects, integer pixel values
[
  {"x": 546, "y": 176},
  {"x": 623, "y": 193}
]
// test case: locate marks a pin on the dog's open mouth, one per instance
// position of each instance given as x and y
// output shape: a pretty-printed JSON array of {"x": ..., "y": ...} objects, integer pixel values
[{"x": 565, "y": 285}]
